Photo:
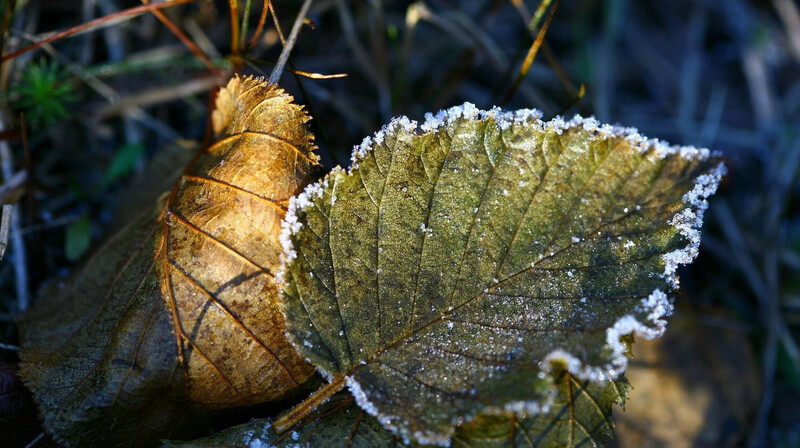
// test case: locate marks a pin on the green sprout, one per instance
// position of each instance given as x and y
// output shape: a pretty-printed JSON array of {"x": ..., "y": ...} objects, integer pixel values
[{"x": 43, "y": 93}]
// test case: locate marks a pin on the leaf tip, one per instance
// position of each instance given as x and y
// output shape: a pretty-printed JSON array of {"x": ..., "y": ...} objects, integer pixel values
[{"x": 653, "y": 308}]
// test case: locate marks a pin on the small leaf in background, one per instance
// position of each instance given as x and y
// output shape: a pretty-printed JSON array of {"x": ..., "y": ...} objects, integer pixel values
[
  {"x": 580, "y": 415},
  {"x": 455, "y": 263},
  {"x": 176, "y": 316},
  {"x": 78, "y": 238},
  {"x": 123, "y": 162}
]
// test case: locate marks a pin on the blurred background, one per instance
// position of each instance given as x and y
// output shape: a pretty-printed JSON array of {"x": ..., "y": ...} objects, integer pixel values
[{"x": 107, "y": 111}]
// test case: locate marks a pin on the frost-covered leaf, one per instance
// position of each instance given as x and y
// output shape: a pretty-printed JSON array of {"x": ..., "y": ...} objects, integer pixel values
[
  {"x": 177, "y": 312},
  {"x": 580, "y": 415},
  {"x": 453, "y": 260}
]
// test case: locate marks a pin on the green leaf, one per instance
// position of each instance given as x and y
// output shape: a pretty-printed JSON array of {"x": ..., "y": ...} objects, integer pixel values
[
  {"x": 580, "y": 415},
  {"x": 78, "y": 238},
  {"x": 455, "y": 263},
  {"x": 123, "y": 162}
]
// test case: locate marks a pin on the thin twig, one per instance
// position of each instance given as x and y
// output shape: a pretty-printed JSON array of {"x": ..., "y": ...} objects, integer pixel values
[
  {"x": 287, "y": 49},
  {"x": 200, "y": 38},
  {"x": 293, "y": 416},
  {"x": 765, "y": 290},
  {"x": 261, "y": 22},
  {"x": 13, "y": 187},
  {"x": 689, "y": 82},
  {"x": 522, "y": 10},
  {"x": 157, "y": 95},
  {"x": 5, "y": 226},
  {"x": 111, "y": 95},
  {"x": 377, "y": 39},
  {"x": 108, "y": 20},
  {"x": 10, "y": 347},
  {"x": 35, "y": 441},
  {"x": 759, "y": 86},
  {"x": 350, "y": 36},
  {"x": 604, "y": 83},
  {"x": 536, "y": 20},
  {"x": 183, "y": 38},
  {"x": 252, "y": 64},
  {"x": 277, "y": 23}
]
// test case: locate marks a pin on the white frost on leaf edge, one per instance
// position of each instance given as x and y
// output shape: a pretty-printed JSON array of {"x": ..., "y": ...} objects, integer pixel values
[
  {"x": 386, "y": 420},
  {"x": 657, "y": 305},
  {"x": 360, "y": 151},
  {"x": 290, "y": 225},
  {"x": 689, "y": 221}
]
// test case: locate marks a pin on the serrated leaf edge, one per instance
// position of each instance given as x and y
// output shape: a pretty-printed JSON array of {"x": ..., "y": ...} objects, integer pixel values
[{"x": 657, "y": 306}]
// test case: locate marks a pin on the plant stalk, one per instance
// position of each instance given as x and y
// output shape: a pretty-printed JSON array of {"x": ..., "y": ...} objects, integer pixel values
[
  {"x": 297, "y": 413},
  {"x": 298, "y": 23}
]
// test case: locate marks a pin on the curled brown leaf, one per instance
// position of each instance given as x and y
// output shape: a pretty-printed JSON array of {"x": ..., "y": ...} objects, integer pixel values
[{"x": 176, "y": 314}]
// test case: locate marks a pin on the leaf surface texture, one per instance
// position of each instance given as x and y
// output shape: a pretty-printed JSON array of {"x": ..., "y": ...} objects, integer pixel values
[{"x": 456, "y": 262}]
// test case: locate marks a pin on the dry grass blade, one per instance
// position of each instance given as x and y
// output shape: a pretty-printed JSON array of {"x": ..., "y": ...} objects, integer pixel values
[
  {"x": 534, "y": 22},
  {"x": 234, "y": 9},
  {"x": 262, "y": 20},
  {"x": 532, "y": 52}
]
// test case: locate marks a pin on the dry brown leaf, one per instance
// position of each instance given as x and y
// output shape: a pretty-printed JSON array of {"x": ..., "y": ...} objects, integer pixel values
[{"x": 177, "y": 312}]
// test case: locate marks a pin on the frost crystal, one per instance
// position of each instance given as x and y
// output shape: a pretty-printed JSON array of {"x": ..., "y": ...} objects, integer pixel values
[
  {"x": 689, "y": 220},
  {"x": 360, "y": 151},
  {"x": 291, "y": 224}
]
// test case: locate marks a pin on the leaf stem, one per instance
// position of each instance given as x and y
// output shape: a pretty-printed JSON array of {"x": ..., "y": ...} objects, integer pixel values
[{"x": 284, "y": 422}]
